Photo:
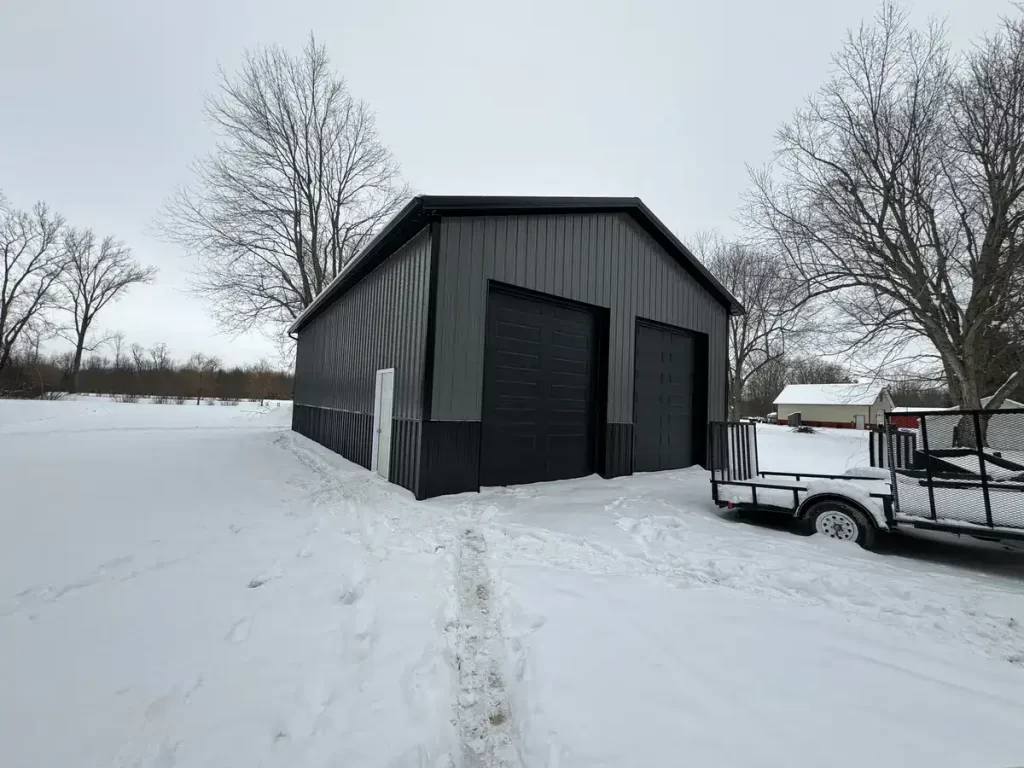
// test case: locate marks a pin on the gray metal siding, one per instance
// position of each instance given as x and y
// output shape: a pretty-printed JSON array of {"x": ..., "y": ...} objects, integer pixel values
[
  {"x": 380, "y": 323},
  {"x": 602, "y": 259}
]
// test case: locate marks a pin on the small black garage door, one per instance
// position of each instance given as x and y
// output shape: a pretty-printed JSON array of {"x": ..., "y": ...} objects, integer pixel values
[
  {"x": 539, "y": 401},
  {"x": 664, "y": 415}
]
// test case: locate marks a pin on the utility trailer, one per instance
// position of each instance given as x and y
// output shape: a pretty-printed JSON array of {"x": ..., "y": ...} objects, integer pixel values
[{"x": 960, "y": 472}]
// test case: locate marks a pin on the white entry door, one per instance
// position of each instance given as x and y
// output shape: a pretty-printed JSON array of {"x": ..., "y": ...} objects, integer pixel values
[
  {"x": 384, "y": 397},
  {"x": 860, "y": 420}
]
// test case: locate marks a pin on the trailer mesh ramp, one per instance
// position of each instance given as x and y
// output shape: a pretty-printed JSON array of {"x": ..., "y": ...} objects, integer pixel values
[{"x": 967, "y": 471}]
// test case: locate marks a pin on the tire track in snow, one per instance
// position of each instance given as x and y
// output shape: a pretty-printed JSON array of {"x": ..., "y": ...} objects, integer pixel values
[{"x": 483, "y": 715}]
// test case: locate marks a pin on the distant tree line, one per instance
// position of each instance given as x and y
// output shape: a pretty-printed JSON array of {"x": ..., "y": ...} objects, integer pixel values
[{"x": 133, "y": 371}]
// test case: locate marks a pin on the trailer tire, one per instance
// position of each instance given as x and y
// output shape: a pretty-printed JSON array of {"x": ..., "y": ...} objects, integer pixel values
[{"x": 842, "y": 521}]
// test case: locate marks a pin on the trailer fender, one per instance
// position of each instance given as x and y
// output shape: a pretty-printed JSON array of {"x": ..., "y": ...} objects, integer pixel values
[{"x": 848, "y": 493}]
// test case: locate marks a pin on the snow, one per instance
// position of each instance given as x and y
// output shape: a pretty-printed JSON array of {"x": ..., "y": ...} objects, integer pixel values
[
  {"x": 193, "y": 586},
  {"x": 198, "y": 586},
  {"x": 824, "y": 452},
  {"x": 830, "y": 394}
]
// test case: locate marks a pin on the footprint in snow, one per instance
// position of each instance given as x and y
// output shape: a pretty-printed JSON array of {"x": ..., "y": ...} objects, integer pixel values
[{"x": 239, "y": 632}]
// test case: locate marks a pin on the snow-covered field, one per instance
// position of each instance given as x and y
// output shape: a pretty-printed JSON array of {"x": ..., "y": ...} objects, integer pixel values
[{"x": 198, "y": 586}]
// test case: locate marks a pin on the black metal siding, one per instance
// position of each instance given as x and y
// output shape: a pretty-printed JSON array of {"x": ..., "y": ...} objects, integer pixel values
[
  {"x": 602, "y": 259},
  {"x": 380, "y": 323}
]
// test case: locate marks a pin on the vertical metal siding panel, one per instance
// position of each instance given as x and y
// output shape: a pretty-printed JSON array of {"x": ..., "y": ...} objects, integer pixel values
[
  {"x": 624, "y": 311},
  {"x": 442, "y": 347},
  {"x": 494, "y": 231},
  {"x": 401, "y": 357},
  {"x": 522, "y": 251},
  {"x": 422, "y": 287},
  {"x": 629, "y": 324},
  {"x": 665, "y": 284},
  {"x": 540, "y": 262},
  {"x": 511, "y": 247},
  {"x": 395, "y": 342},
  {"x": 558, "y": 256},
  {"x": 586, "y": 284},
  {"x": 527, "y": 250},
  {"x": 614, "y": 319},
  {"x": 374, "y": 325},
  {"x": 471, "y": 392},
  {"x": 549, "y": 252},
  {"x": 579, "y": 283},
  {"x": 387, "y": 292},
  {"x": 461, "y": 300},
  {"x": 574, "y": 251},
  {"x": 455, "y": 362},
  {"x": 410, "y": 341},
  {"x": 444, "y": 341},
  {"x": 600, "y": 259},
  {"x": 403, "y": 350},
  {"x": 365, "y": 365}
]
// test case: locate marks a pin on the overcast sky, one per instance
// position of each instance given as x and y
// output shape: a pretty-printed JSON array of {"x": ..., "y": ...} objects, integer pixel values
[{"x": 101, "y": 105}]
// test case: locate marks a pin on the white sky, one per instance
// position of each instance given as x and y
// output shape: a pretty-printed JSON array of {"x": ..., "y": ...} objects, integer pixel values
[{"x": 100, "y": 105}]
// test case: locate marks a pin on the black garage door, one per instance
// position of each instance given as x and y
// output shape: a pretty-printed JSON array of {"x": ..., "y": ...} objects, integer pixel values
[
  {"x": 540, "y": 375},
  {"x": 664, "y": 415}
]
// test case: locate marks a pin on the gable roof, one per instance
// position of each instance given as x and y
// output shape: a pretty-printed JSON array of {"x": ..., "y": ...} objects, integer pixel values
[
  {"x": 830, "y": 394},
  {"x": 423, "y": 209}
]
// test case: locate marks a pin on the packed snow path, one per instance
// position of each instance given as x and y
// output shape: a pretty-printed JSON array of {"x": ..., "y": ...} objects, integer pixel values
[{"x": 193, "y": 586}]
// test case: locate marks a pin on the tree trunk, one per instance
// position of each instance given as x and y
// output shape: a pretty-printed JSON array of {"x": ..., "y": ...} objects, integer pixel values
[
  {"x": 76, "y": 365},
  {"x": 969, "y": 399}
]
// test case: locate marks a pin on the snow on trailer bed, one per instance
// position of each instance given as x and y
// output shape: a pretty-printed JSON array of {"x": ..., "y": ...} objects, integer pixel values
[{"x": 225, "y": 592}]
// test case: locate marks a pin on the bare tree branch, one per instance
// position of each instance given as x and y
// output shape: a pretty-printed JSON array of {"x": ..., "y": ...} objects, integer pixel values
[
  {"x": 778, "y": 313},
  {"x": 95, "y": 273},
  {"x": 298, "y": 184},
  {"x": 897, "y": 191},
  {"x": 30, "y": 263}
]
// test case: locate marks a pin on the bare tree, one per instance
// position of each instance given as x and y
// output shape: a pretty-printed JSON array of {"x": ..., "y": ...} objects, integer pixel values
[
  {"x": 897, "y": 190},
  {"x": 202, "y": 368},
  {"x": 96, "y": 273},
  {"x": 160, "y": 356},
  {"x": 117, "y": 341},
  {"x": 139, "y": 362},
  {"x": 299, "y": 182},
  {"x": 764, "y": 385},
  {"x": 261, "y": 377},
  {"x": 777, "y": 316},
  {"x": 30, "y": 263},
  {"x": 816, "y": 370}
]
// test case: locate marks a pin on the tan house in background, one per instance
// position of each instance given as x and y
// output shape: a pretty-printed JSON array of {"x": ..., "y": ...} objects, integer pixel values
[{"x": 847, "y": 406}]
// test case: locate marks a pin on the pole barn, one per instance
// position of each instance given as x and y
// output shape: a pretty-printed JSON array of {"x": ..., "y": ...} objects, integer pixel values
[{"x": 504, "y": 340}]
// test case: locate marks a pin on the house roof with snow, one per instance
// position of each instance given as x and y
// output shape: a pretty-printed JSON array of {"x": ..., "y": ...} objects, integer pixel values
[
  {"x": 1008, "y": 404},
  {"x": 830, "y": 394}
]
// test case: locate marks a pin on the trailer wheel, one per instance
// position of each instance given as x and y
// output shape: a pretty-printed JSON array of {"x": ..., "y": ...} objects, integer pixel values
[{"x": 841, "y": 521}]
